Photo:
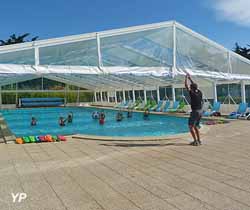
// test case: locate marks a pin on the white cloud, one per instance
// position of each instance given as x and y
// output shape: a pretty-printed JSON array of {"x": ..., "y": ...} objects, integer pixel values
[{"x": 237, "y": 11}]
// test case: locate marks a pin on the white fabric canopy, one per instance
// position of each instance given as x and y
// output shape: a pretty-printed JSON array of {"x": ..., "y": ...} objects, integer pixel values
[{"x": 136, "y": 57}]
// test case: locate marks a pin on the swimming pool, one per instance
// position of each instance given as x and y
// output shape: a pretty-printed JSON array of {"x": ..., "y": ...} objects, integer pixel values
[{"x": 47, "y": 123}]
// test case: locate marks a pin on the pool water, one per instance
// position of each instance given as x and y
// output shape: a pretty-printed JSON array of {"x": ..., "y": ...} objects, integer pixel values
[{"x": 47, "y": 123}]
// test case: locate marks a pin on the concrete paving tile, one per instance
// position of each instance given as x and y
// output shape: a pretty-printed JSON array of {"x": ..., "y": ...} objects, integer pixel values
[
  {"x": 38, "y": 191},
  {"x": 47, "y": 204},
  {"x": 215, "y": 199},
  {"x": 185, "y": 202},
  {"x": 239, "y": 183},
  {"x": 102, "y": 193},
  {"x": 239, "y": 195}
]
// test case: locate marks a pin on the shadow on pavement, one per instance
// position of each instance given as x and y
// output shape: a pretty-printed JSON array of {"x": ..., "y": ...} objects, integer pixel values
[{"x": 144, "y": 145}]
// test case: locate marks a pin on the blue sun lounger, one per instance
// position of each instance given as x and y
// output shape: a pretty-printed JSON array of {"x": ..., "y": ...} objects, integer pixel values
[
  {"x": 158, "y": 108},
  {"x": 241, "y": 111},
  {"x": 215, "y": 108},
  {"x": 166, "y": 106},
  {"x": 176, "y": 105}
]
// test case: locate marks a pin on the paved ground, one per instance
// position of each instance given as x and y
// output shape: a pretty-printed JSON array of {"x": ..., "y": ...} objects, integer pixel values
[{"x": 113, "y": 175}]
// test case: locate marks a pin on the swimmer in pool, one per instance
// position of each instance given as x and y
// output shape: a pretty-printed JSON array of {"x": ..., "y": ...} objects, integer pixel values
[
  {"x": 70, "y": 117},
  {"x": 129, "y": 114},
  {"x": 119, "y": 116},
  {"x": 33, "y": 121},
  {"x": 146, "y": 114},
  {"x": 61, "y": 121},
  {"x": 95, "y": 115}
]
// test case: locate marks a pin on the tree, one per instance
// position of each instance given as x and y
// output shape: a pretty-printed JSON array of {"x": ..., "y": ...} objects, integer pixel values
[
  {"x": 13, "y": 39},
  {"x": 243, "y": 51}
]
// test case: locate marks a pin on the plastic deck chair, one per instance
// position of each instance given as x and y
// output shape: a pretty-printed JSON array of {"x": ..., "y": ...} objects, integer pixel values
[
  {"x": 166, "y": 106},
  {"x": 157, "y": 107},
  {"x": 176, "y": 105},
  {"x": 215, "y": 108},
  {"x": 179, "y": 108},
  {"x": 241, "y": 111}
]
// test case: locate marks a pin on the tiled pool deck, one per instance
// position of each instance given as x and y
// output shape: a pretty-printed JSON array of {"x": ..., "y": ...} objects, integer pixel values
[{"x": 131, "y": 175}]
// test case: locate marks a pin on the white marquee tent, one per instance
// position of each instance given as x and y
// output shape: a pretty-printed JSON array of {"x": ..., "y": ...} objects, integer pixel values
[{"x": 136, "y": 58}]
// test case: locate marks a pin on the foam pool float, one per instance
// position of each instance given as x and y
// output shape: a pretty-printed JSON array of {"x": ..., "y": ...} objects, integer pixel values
[
  {"x": 37, "y": 139},
  {"x": 62, "y": 138},
  {"x": 42, "y": 138},
  {"x": 19, "y": 141},
  {"x": 55, "y": 138},
  {"x": 48, "y": 138},
  {"x": 32, "y": 139},
  {"x": 26, "y": 139}
]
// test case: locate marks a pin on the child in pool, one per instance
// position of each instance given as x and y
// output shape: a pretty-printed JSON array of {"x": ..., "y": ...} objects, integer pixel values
[
  {"x": 33, "y": 121},
  {"x": 61, "y": 121}
]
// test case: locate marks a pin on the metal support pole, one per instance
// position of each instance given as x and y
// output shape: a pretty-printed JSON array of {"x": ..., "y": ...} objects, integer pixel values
[
  {"x": 133, "y": 92},
  {"x": 215, "y": 91},
  {"x": 124, "y": 96},
  {"x": 95, "y": 96},
  {"x": 174, "y": 50},
  {"x": 99, "y": 51},
  {"x": 115, "y": 97},
  {"x": 101, "y": 96},
  {"x": 145, "y": 96},
  {"x": 37, "y": 60},
  {"x": 243, "y": 92},
  {"x": 173, "y": 93},
  {"x": 158, "y": 93},
  {"x": 16, "y": 94},
  {"x": 108, "y": 96}
]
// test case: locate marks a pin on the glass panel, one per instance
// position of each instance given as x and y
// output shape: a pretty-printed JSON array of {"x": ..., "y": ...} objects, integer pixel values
[
  {"x": 83, "y": 53},
  {"x": 239, "y": 66},
  {"x": 247, "y": 88},
  {"x": 196, "y": 54},
  {"x": 165, "y": 92},
  {"x": 224, "y": 90},
  {"x": 181, "y": 94},
  {"x": 98, "y": 96},
  {"x": 149, "y": 48},
  {"x": 119, "y": 96},
  {"x": 18, "y": 57},
  {"x": 8, "y": 98},
  {"x": 52, "y": 85},
  {"x": 86, "y": 97},
  {"x": 34, "y": 84}
]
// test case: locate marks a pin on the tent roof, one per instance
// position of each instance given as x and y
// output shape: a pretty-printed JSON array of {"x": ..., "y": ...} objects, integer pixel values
[{"x": 135, "y": 57}]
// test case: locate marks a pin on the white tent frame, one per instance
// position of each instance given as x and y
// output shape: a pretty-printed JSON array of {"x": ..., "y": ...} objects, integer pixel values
[{"x": 101, "y": 78}]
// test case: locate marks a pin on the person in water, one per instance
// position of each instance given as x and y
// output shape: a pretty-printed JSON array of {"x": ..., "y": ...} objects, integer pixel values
[
  {"x": 129, "y": 114},
  {"x": 95, "y": 115},
  {"x": 146, "y": 114},
  {"x": 102, "y": 118},
  {"x": 33, "y": 121},
  {"x": 61, "y": 121},
  {"x": 119, "y": 116},
  {"x": 196, "y": 106},
  {"x": 70, "y": 117}
]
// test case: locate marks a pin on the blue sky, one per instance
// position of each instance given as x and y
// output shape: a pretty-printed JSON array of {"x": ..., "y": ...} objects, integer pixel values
[{"x": 224, "y": 21}]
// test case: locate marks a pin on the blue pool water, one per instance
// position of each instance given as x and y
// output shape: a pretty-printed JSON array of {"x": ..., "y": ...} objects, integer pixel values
[{"x": 47, "y": 123}]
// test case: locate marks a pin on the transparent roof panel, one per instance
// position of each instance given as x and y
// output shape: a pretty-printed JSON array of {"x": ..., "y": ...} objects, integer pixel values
[
  {"x": 239, "y": 66},
  {"x": 26, "y": 57},
  {"x": 196, "y": 54},
  {"x": 149, "y": 48},
  {"x": 82, "y": 53}
]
